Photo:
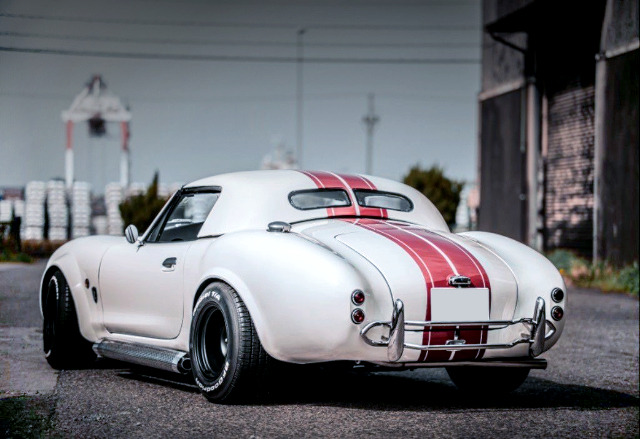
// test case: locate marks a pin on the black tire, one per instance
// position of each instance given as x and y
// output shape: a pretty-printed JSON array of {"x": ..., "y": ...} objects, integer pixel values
[
  {"x": 64, "y": 346},
  {"x": 487, "y": 381},
  {"x": 228, "y": 361}
]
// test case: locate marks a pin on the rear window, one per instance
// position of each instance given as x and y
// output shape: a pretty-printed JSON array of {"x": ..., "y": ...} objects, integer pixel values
[
  {"x": 319, "y": 198},
  {"x": 383, "y": 200}
]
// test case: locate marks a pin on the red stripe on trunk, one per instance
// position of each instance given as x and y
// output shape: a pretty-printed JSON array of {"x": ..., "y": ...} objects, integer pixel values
[
  {"x": 486, "y": 284},
  {"x": 435, "y": 270},
  {"x": 469, "y": 266},
  {"x": 428, "y": 250}
]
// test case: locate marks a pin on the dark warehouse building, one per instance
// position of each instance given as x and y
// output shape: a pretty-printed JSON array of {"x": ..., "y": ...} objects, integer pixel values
[{"x": 558, "y": 159}]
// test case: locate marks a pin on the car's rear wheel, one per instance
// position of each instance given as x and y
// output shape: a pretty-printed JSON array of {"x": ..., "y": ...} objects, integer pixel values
[
  {"x": 228, "y": 362},
  {"x": 64, "y": 346},
  {"x": 487, "y": 381}
]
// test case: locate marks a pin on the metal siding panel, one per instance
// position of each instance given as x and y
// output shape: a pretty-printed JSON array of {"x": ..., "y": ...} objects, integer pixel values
[
  {"x": 619, "y": 186},
  {"x": 570, "y": 166},
  {"x": 501, "y": 176}
]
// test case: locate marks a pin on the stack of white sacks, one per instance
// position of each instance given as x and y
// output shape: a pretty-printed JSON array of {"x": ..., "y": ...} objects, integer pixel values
[
  {"x": 57, "y": 210},
  {"x": 18, "y": 208},
  {"x": 100, "y": 224},
  {"x": 113, "y": 197},
  {"x": 6, "y": 211},
  {"x": 33, "y": 220},
  {"x": 80, "y": 209},
  {"x": 136, "y": 188}
]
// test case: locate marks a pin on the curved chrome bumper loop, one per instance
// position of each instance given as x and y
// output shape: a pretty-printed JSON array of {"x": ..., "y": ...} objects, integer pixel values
[
  {"x": 398, "y": 326},
  {"x": 396, "y": 332}
]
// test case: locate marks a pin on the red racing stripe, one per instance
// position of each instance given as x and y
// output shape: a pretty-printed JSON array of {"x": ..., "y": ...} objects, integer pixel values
[
  {"x": 320, "y": 185},
  {"x": 434, "y": 267},
  {"x": 485, "y": 284},
  {"x": 468, "y": 266},
  {"x": 327, "y": 180},
  {"x": 359, "y": 182},
  {"x": 438, "y": 258}
]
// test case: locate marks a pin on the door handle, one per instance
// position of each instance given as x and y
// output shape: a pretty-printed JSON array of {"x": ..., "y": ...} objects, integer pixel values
[{"x": 169, "y": 264}]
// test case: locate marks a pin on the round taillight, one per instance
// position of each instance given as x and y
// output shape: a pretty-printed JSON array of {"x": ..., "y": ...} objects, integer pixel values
[
  {"x": 357, "y": 316},
  {"x": 557, "y": 313},
  {"x": 557, "y": 295},
  {"x": 357, "y": 297}
]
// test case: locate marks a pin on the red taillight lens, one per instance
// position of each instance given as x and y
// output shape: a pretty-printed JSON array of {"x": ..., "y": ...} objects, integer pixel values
[
  {"x": 557, "y": 313},
  {"x": 357, "y": 297},
  {"x": 357, "y": 316}
]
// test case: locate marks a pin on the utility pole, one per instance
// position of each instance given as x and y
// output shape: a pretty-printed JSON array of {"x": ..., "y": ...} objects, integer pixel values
[
  {"x": 370, "y": 119},
  {"x": 299, "y": 92}
]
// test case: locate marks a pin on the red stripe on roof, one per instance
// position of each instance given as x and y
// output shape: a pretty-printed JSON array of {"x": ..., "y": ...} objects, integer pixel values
[
  {"x": 326, "y": 180},
  {"x": 359, "y": 182},
  {"x": 320, "y": 185}
]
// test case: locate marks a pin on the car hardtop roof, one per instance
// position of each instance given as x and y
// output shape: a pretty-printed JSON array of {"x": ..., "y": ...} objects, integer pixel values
[{"x": 253, "y": 199}]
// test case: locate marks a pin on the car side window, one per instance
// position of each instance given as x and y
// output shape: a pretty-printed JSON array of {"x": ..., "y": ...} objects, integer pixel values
[{"x": 185, "y": 219}]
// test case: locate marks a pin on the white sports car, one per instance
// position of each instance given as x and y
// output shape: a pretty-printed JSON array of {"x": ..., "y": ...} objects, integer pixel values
[{"x": 302, "y": 267}]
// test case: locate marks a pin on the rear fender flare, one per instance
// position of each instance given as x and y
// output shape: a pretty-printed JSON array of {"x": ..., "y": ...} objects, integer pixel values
[
  {"x": 69, "y": 267},
  {"x": 535, "y": 274}
]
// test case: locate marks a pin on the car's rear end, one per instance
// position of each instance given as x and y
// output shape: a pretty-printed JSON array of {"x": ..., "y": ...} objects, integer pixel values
[
  {"x": 365, "y": 269},
  {"x": 436, "y": 297}
]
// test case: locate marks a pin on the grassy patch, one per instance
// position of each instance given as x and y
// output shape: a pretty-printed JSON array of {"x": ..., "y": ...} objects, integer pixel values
[
  {"x": 582, "y": 273},
  {"x": 27, "y": 416},
  {"x": 9, "y": 256}
]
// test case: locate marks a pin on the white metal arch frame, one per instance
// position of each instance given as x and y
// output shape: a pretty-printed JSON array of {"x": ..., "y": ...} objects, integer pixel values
[{"x": 95, "y": 101}]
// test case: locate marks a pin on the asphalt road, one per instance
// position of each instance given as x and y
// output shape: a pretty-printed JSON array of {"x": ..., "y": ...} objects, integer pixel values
[{"x": 589, "y": 390}]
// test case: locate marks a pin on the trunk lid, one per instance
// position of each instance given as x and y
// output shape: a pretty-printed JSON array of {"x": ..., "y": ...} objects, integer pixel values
[{"x": 413, "y": 261}]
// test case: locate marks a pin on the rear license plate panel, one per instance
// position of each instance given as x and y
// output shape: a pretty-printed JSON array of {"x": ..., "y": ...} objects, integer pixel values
[{"x": 459, "y": 304}]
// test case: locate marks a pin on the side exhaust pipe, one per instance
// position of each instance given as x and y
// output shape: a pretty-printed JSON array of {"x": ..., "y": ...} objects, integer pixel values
[{"x": 150, "y": 356}]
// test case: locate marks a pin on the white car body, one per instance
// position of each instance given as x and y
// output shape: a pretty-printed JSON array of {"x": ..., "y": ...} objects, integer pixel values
[{"x": 297, "y": 286}]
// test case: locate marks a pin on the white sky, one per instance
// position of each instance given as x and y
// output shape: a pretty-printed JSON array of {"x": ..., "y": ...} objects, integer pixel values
[{"x": 197, "y": 118}]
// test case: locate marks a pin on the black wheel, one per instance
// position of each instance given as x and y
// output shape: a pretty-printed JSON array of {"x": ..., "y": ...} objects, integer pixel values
[
  {"x": 485, "y": 381},
  {"x": 228, "y": 361},
  {"x": 64, "y": 346}
]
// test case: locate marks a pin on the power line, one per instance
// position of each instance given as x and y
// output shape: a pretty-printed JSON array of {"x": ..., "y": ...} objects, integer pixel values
[
  {"x": 257, "y": 98},
  {"x": 363, "y": 3},
  {"x": 208, "y": 42},
  {"x": 196, "y": 23},
  {"x": 265, "y": 59}
]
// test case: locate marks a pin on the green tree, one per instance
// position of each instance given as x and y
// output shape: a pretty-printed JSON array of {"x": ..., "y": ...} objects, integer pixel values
[
  {"x": 442, "y": 191},
  {"x": 140, "y": 210}
]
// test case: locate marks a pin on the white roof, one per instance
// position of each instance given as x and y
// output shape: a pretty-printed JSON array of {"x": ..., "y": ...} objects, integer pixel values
[{"x": 253, "y": 199}]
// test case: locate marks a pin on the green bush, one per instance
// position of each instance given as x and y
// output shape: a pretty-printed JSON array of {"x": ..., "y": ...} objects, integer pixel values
[
  {"x": 629, "y": 279},
  {"x": 7, "y": 255},
  {"x": 562, "y": 259},
  {"x": 602, "y": 275},
  {"x": 140, "y": 210},
  {"x": 442, "y": 191}
]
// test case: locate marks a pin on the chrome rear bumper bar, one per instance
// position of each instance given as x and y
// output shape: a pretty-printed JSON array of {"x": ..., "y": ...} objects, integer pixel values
[
  {"x": 527, "y": 363},
  {"x": 396, "y": 344}
]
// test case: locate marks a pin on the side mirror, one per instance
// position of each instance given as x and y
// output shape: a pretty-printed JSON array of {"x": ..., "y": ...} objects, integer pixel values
[{"x": 131, "y": 233}]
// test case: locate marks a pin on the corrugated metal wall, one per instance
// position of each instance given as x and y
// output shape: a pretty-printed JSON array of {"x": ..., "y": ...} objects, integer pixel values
[
  {"x": 570, "y": 165},
  {"x": 502, "y": 209},
  {"x": 619, "y": 192}
]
